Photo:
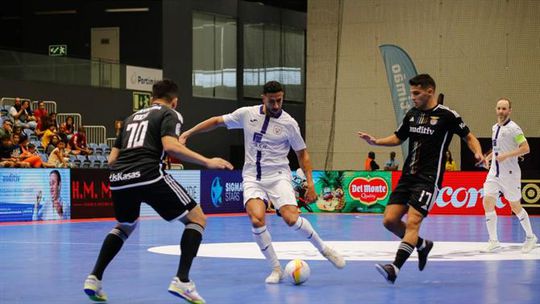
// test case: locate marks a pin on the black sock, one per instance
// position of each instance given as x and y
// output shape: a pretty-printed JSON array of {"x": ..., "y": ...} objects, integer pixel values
[
  {"x": 189, "y": 245},
  {"x": 420, "y": 244},
  {"x": 111, "y": 246},
  {"x": 403, "y": 253}
]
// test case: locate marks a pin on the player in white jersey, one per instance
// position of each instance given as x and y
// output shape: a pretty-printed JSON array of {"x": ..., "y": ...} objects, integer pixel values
[
  {"x": 269, "y": 134},
  {"x": 505, "y": 175}
]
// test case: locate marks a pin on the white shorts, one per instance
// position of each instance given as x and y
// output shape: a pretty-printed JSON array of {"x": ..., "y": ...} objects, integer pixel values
[
  {"x": 278, "y": 191},
  {"x": 509, "y": 187}
]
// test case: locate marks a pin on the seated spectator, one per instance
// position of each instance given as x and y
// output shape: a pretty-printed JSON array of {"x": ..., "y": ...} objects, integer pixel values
[
  {"x": 52, "y": 120},
  {"x": 68, "y": 127},
  {"x": 7, "y": 129},
  {"x": 30, "y": 155},
  {"x": 78, "y": 143},
  {"x": 22, "y": 114},
  {"x": 392, "y": 164},
  {"x": 53, "y": 143},
  {"x": 47, "y": 135},
  {"x": 450, "y": 162},
  {"x": 370, "y": 164},
  {"x": 58, "y": 157},
  {"x": 6, "y": 154},
  {"x": 41, "y": 115}
]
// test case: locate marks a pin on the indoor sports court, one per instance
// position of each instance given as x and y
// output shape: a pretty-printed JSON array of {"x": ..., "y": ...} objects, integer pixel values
[{"x": 416, "y": 119}]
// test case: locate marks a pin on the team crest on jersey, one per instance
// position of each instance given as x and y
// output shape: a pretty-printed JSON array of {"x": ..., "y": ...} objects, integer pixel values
[
  {"x": 433, "y": 120},
  {"x": 411, "y": 119},
  {"x": 277, "y": 130}
]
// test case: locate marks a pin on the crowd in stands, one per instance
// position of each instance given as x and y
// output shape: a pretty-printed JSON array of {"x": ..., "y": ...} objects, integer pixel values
[{"x": 34, "y": 138}]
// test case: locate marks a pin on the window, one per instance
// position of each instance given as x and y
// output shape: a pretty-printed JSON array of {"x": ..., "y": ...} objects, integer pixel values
[
  {"x": 214, "y": 56},
  {"x": 273, "y": 52}
]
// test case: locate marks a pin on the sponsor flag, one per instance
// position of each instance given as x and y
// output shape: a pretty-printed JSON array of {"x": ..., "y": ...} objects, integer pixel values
[{"x": 399, "y": 69}]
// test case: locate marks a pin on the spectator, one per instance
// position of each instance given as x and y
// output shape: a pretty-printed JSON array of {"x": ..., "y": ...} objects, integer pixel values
[
  {"x": 392, "y": 164},
  {"x": 53, "y": 143},
  {"x": 450, "y": 162},
  {"x": 47, "y": 135},
  {"x": 58, "y": 157},
  {"x": 22, "y": 114},
  {"x": 68, "y": 127},
  {"x": 7, "y": 150},
  {"x": 370, "y": 164},
  {"x": 30, "y": 155},
  {"x": 7, "y": 129},
  {"x": 78, "y": 143},
  {"x": 41, "y": 115},
  {"x": 118, "y": 124},
  {"x": 52, "y": 119}
]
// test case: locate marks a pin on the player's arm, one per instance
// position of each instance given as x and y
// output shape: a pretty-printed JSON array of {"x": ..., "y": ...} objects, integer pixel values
[
  {"x": 520, "y": 151},
  {"x": 305, "y": 163},
  {"x": 113, "y": 156},
  {"x": 389, "y": 141},
  {"x": 173, "y": 147},
  {"x": 205, "y": 126},
  {"x": 474, "y": 146}
]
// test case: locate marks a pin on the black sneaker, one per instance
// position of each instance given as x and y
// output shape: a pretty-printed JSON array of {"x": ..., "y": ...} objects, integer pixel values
[
  {"x": 387, "y": 271},
  {"x": 423, "y": 254}
]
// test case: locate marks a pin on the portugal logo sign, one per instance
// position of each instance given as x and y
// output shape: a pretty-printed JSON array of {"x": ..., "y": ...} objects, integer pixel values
[{"x": 368, "y": 191}]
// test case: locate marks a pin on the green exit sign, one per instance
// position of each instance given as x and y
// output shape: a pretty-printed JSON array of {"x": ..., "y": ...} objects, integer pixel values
[{"x": 58, "y": 50}]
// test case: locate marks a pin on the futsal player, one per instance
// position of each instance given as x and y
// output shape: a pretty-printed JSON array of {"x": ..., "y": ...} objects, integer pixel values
[
  {"x": 269, "y": 134},
  {"x": 429, "y": 127}
]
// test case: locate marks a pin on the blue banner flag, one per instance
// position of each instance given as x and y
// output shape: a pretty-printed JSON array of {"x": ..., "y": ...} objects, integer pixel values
[{"x": 399, "y": 69}]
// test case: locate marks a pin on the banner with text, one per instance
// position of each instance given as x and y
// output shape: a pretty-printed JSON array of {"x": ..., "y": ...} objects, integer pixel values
[
  {"x": 221, "y": 191},
  {"x": 34, "y": 194},
  {"x": 138, "y": 78}
]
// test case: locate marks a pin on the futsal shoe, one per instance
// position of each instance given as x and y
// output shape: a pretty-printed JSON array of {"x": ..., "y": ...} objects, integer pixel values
[
  {"x": 275, "y": 277},
  {"x": 92, "y": 288},
  {"x": 388, "y": 271},
  {"x": 334, "y": 257},
  {"x": 423, "y": 254},
  {"x": 185, "y": 291},
  {"x": 493, "y": 246},
  {"x": 529, "y": 244}
]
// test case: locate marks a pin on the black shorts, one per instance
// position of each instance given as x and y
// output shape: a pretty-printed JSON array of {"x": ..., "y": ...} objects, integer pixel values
[
  {"x": 166, "y": 196},
  {"x": 415, "y": 192}
]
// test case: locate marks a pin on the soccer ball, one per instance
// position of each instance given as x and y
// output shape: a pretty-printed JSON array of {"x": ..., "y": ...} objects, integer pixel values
[{"x": 297, "y": 271}]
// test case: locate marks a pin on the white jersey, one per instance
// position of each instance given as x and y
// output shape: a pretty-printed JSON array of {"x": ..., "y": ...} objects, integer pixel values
[
  {"x": 504, "y": 139},
  {"x": 267, "y": 141}
]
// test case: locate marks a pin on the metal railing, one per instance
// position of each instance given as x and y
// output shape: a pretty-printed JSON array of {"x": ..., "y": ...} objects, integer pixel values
[
  {"x": 50, "y": 105},
  {"x": 77, "y": 119},
  {"x": 96, "y": 134}
]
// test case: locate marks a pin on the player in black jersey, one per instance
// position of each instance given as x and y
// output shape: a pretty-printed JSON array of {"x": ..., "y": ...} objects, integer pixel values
[
  {"x": 136, "y": 162},
  {"x": 429, "y": 127}
]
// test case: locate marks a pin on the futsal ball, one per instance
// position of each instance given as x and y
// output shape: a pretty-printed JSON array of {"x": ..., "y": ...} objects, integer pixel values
[{"x": 297, "y": 271}]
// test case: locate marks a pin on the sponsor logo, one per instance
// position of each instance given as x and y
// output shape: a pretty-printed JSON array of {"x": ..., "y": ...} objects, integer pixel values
[
  {"x": 530, "y": 192},
  {"x": 116, "y": 177},
  {"x": 253, "y": 120},
  {"x": 368, "y": 191},
  {"x": 216, "y": 192},
  {"x": 221, "y": 193},
  {"x": 404, "y": 97},
  {"x": 462, "y": 197},
  {"x": 11, "y": 178},
  {"x": 422, "y": 130}
]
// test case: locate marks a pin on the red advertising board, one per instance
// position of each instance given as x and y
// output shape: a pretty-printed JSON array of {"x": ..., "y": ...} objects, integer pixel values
[{"x": 461, "y": 193}]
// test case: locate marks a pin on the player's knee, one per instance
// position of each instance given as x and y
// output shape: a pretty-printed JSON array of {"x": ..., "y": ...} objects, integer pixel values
[
  {"x": 256, "y": 221},
  {"x": 390, "y": 223},
  {"x": 124, "y": 230}
]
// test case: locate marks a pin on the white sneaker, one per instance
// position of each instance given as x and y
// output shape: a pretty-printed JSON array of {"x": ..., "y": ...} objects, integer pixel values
[
  {"x": 529, "y": 244},
  {"x": 493, "y": 246},
  {"x": 92, "y": 288},
  {"x": 334, "y": 257},
  {"x": 275, "y": 277},
  {"x": 185, "y": 291}
]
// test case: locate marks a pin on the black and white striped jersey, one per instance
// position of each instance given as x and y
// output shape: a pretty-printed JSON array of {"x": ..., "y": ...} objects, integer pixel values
[
  {"x": 430, "y": 133},
  {"x": 141, "y": 152}
]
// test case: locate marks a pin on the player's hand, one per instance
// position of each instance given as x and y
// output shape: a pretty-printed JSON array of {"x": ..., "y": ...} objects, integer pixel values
[
  {"x": 182, "y": 139},
  {"x": 310, "y": 195},
  {"x": 368, "y": 138},
  {"x": 501, "y": 157},
  {"x": 480, "y": 160},
  {"x": 219, "y": 163}
]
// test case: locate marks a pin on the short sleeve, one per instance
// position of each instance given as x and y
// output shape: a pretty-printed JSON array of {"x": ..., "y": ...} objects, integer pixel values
[
  {"x": 171, "y": 124},
  {"x": 458, "y": 126},
  {"x": 235, "y": 120},
  {"x": 517, "y": 135},
  {"x": 295, "y": 138},
  {"x": 402, "y": 131}
]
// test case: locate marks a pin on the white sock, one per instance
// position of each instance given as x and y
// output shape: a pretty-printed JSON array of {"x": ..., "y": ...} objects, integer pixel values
[
  {"x": 304, "y": 227},
  {"x": 491, "y": 223},
  {"x": 264, "y": 240},
  {"x": 523, "y": 217}
]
